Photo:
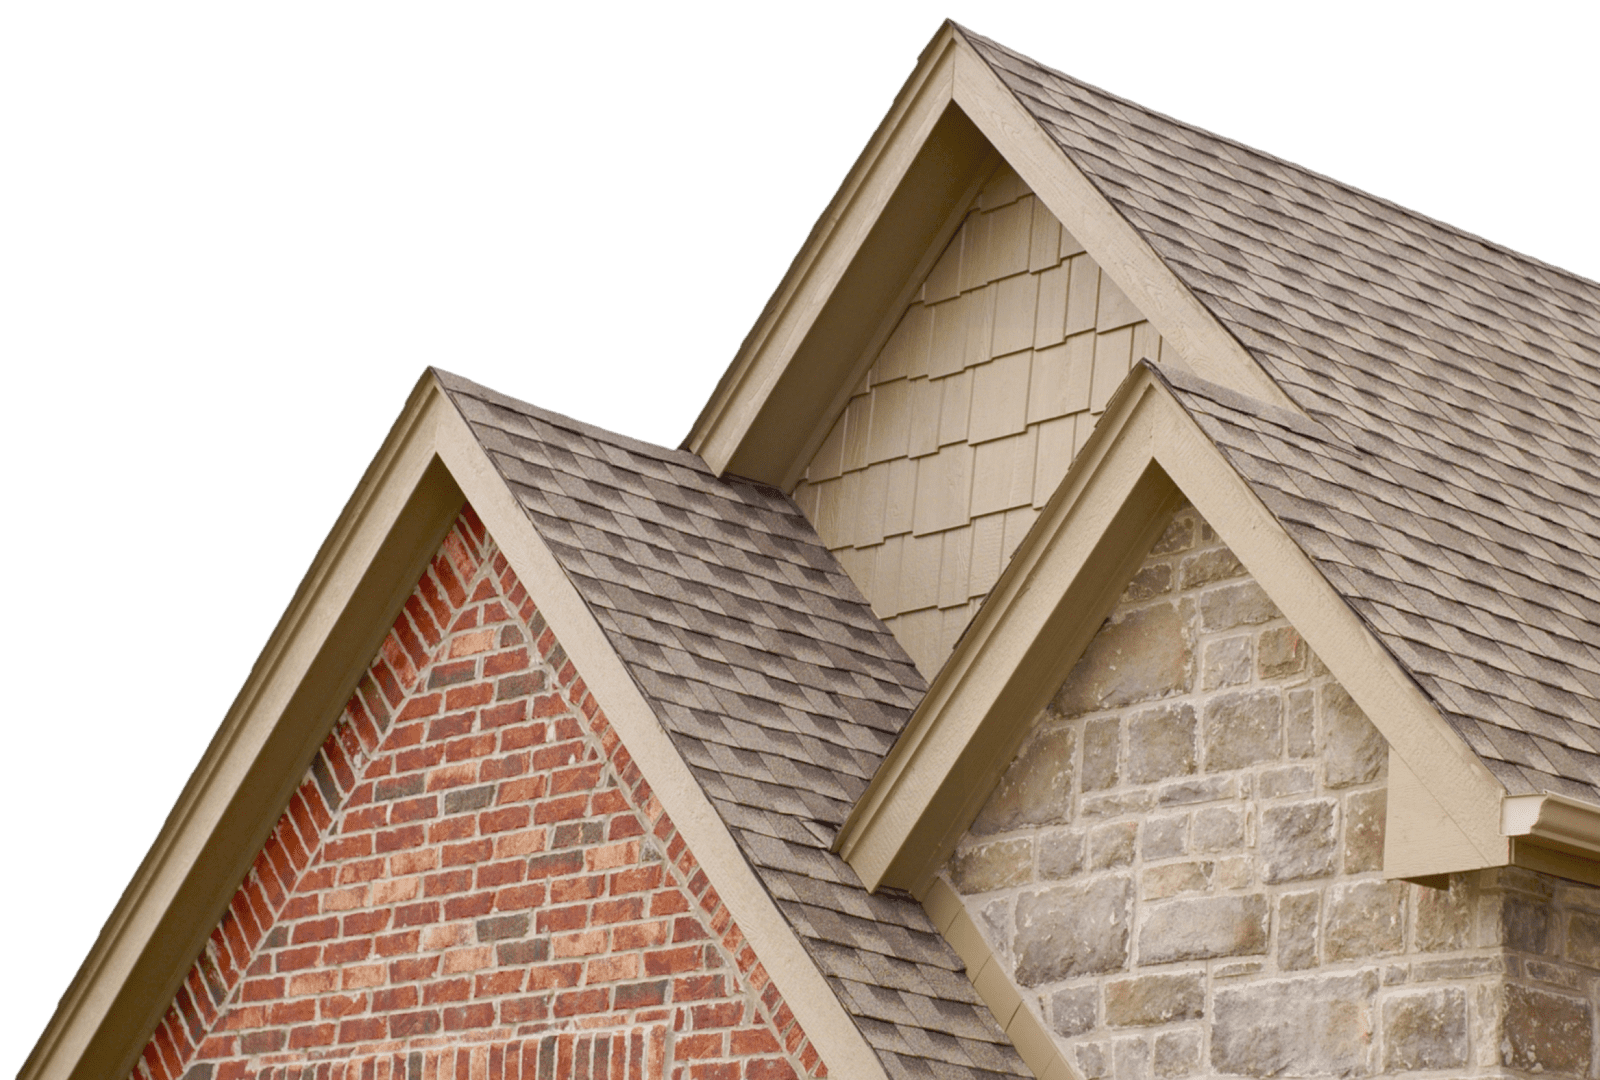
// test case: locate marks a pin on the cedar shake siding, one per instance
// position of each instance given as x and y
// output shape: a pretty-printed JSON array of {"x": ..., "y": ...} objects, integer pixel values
[{"x": 474, "y": 877}]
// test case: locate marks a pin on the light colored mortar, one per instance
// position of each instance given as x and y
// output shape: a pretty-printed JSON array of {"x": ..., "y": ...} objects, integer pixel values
[{"x": 1182, "y": 868}]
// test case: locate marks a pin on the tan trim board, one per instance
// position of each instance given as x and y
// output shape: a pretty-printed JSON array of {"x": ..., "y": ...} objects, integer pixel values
[
  {"x": 1176, "y": 313},
  {"x": 1053, "y": 594},
  {"x": 1420, "y": 839},
  {"x": 994, "y": 985},
  {"x": 369, "y": 563},
  {"x": 1531, "y": 855},
  {"x": 890, "y": 318},
  {"x": 1058, "y": 588},
  {"x": 826, "y": 1024},
  {"x": 721, "y": 428}
]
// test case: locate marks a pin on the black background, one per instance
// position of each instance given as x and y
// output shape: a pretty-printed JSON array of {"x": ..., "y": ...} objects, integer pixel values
[{"x": 245, "y": 242}]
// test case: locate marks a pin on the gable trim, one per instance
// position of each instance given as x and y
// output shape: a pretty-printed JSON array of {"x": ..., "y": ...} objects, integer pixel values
[
  {"x": 411, "y": 494},
  {"x": 724, "y": 424},
  {"x": 1120, "y": 249},
  {"x": 370, "y": 561},
  {"x": 741, "y": 430},
  {"x": 1146, "y": 455}
]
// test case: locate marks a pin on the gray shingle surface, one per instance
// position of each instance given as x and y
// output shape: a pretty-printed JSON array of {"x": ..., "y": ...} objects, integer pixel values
[
  {"x": 778, "y": 685},
  {"x": 1449, "y": 485}
]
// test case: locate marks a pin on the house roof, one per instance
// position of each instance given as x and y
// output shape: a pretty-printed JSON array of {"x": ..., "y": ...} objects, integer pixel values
[
  {"x": 777, "y": 684},
  {"x": 1448, "y": 483}
]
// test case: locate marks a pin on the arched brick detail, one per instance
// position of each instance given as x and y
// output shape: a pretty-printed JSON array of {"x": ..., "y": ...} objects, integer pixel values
[{"x": 474, "y": 879}]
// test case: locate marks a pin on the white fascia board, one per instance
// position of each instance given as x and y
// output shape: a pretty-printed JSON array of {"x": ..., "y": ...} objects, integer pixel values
[
  {"x": 1111, "y": 240},
  {"x": 95, "y": 1029},
  {"x": 831, "y": 1030},
  {"x": 727, "y": 418},
  {"x": 1145, "y": 427}
]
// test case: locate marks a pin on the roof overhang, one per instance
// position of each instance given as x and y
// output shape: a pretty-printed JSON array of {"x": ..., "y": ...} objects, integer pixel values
[
  {"x": 410, "y": 495},
  {"x": 1146, "y": 456},
  {"x": 949, "y": 127}
]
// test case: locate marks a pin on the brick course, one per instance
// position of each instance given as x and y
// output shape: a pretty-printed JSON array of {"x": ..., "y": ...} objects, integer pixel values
[{"x": 474, "y": 879}]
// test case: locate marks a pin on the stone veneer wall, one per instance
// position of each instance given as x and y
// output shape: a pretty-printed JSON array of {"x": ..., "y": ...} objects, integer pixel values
[{"x": 1182, "y": 868}]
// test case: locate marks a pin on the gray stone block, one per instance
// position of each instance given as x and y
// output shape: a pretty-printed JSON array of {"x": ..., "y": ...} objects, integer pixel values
[
  {"x": 1300, "y": 722},
  {"x": 1285, "y": 780},
  {"x": 1226, "y": 662},
  {"x": 1178, "y": 537},
  {"x": 1365, "y": 919},
  {"x": 1131, "y": 1059},
  {"x": 1218, "y": 828},
  {"x": 1076, "y": 929},
  {"x": 1142, "y": 656},
  {"x": 1280, "y": 652},
  {"x": 1161, "y": 743},
  {"x": 1176, "y": 1053},
  {"x": 1072, "y": 1011},
  {"x": 1208, "y": 567},
  {"x": 1363, "y": 830},
  {"x": 1116, "y": 803},
  {"x": 1353, "y": 750},
  {"x": 1545, "y": 1032},
  {"x": 1200, "y": 789},
  {"x": 1060, "y": 853},
  {"x": 1527, "y": 924},
  {"x": 1037, "y": 788},
  {"x": 992, "y": 866},
  {"x": 1203, "y": 927},
  {"x": 1164, "y": 837},
  {"x": 1150, "y": 1000},
  {"x": 1311, "y": 1026},
  {"x": 1151, "y": 581},
  {"x": 1298, "y": 915},
  {"x": 1583, "y": 938},
  {"x": 1444, "y": 917},
  {"x": 1175, "y": 879},
  {"x": 1244, "y": 604},
  {"x": 1243, "y": 728},
  {"x": 1298, "y": 840},
  {"x": 1102, "y": 744},
  {"x": 1113, "y": 845}
]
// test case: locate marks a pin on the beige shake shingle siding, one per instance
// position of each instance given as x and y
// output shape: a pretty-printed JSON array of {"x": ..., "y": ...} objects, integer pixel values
[{"x": 970, "y": 415}]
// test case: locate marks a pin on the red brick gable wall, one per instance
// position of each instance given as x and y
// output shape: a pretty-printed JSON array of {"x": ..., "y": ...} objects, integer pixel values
[{"x": 475, "y": 880}]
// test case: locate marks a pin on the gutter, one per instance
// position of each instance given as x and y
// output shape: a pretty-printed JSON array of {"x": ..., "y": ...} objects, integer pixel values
[{"x": 1552, "y": 820}]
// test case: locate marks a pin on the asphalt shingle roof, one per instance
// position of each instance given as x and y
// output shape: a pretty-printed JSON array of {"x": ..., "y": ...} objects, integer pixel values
[
  {"x": 1445, "y": 477},
  {"x": 778, "y": 685},
  {"x": 1449, "y": 482}
]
